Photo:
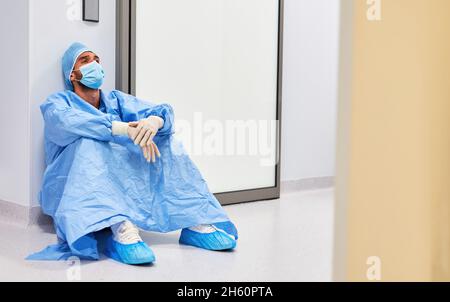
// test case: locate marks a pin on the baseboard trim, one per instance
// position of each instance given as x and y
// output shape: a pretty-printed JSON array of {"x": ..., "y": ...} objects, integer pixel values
[
  {"x": 23, "y": 216},
  {"x": 307, "y": 184},
  {"x": 37, "y": 217},
  {"x": 12, "y": 213}
]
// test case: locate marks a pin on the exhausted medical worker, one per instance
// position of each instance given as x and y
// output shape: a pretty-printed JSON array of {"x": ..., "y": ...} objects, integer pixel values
[{"x": 113, "y": 163}]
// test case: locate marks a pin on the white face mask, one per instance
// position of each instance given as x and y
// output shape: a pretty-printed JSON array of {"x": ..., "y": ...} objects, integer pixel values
[{"x": 93, "y": 75}]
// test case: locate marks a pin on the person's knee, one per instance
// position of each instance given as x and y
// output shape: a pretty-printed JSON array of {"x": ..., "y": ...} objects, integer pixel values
[
  {"x": 90, "y": 142},
  {"x": 90, "y": 146}
]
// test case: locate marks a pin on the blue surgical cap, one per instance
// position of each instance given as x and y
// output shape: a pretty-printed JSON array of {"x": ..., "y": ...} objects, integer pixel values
[{"x": 68, "y": 62}]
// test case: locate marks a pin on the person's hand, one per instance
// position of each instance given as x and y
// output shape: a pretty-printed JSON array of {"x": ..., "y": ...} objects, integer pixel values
[
  {"x": 146, "y": 130},
  {"x": 150, "y": 150}
]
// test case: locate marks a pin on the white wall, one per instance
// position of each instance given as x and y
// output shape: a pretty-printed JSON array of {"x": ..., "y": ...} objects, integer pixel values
[
  {"x": 54, "y": 25},
  {"x": 311, "y": 37},
  {"x": 34, "y": 36},
  {"x": 14, "y": 106}
]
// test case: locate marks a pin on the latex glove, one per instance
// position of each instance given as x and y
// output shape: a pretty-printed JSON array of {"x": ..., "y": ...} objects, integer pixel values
[
  {"x": 124, "y": 129},
  {"x": 151, "y": 152},
  {"x": 146, "y": 130}
]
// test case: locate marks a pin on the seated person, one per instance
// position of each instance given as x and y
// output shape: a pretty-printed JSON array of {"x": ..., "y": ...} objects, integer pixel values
[{"x": 113, "y": 162}]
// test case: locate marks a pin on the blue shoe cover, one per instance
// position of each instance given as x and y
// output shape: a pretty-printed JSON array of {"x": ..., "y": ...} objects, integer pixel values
[
  {"x": 133, "y": 254},
  {"x": 229, "y": 228},
  {"x": 217, "y": 241}
]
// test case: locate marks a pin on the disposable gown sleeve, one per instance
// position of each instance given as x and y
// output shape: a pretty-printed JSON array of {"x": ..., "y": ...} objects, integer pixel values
[
  {"x": 64, "y": 124},
  {"x": 133, "y": 109}
]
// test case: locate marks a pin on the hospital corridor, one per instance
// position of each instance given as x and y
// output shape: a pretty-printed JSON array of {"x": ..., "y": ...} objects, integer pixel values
[
  {"x": 220, "y": 142},
  {"x": 259, "y": 224}
]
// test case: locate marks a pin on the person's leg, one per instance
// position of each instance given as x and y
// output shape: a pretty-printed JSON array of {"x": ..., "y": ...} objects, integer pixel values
[
  {"x": 126, "y": 246},
  {"x": 209, "y": 237},
  {"x": 229, "y": 228},
  {"x": 126, "y": 233},
  {"x": 93, "y": 198}
]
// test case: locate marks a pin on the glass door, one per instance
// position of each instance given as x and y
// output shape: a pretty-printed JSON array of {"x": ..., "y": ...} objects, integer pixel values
[{"x": 218, "y": 63}]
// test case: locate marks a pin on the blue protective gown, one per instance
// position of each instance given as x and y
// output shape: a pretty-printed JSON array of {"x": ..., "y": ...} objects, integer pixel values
[{"x": 94, "y": 179}]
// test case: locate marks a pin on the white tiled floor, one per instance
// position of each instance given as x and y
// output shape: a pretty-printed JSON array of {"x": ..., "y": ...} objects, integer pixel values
[{"x": 281, "y": 240}]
